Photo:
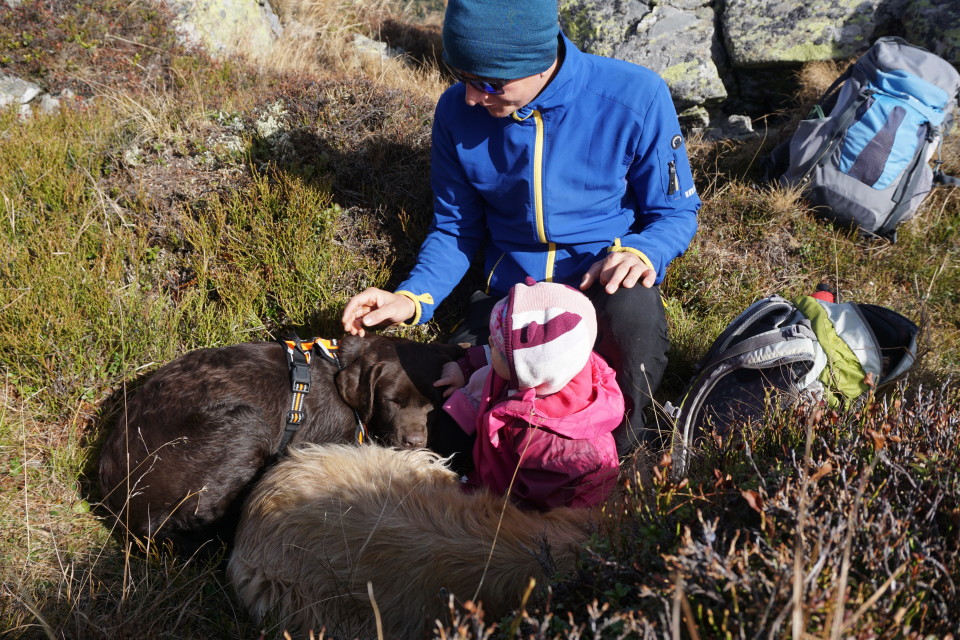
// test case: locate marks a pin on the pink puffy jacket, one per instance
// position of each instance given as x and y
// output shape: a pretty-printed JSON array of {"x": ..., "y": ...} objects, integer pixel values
[{"x": 553, "y": 451}]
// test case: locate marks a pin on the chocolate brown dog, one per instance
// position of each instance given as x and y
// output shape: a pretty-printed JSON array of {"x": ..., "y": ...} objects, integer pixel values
[{"x": 192, "y": 440}]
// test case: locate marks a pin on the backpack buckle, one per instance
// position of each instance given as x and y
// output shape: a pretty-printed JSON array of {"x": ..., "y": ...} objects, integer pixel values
[{"x": 671, "y": 411}]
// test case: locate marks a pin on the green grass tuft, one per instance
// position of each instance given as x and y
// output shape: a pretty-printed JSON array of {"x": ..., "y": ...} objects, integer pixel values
[{"x": 187, "y": 202}]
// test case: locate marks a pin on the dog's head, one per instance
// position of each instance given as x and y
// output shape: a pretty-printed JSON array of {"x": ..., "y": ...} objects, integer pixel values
[{"x": 389, "y": 382}]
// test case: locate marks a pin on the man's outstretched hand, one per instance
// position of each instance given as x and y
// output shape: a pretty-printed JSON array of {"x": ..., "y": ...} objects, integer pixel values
[{"x": 374, "y": 307}]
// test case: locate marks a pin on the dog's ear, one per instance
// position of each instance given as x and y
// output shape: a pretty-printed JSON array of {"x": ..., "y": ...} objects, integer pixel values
[{"x": 357, "y": 384}]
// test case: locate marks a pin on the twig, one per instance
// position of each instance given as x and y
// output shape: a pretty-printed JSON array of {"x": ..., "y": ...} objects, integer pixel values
[
  {"x": 873, "y": 599},
  {"x": 139, "y": 44},
  {"x": 688, "y": 617},
  {"x": 837, "y": 629},
  {"x": 677, "y": 597},
  {"x": 523, "y": 607},
  {"x": 26, "y": 490},
  {"x": 376, "y": 610},
  {"x": 503, "y": 509},
  {"x": 797, "y": 599}
]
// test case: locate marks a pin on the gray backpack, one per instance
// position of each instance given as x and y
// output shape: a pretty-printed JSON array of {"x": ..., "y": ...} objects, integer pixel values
[
  {"x": 778, "y": 353},
  {"x": 866, "y": 163}
]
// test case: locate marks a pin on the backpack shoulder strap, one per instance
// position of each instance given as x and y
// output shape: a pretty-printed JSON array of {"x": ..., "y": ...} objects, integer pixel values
[
  {"x": 772, "y": 310},
  {"x": 763, "y": 344},
  {"x": 777, "y": 161},
  {"x": 828, "y": 100}
]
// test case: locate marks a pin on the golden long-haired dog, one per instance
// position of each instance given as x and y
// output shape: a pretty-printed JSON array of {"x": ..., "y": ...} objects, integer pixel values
[{"x": 328, "y": 519}]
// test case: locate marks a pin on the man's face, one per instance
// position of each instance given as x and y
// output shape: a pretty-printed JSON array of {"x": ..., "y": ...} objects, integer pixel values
[{"x": 516, "y": 93}]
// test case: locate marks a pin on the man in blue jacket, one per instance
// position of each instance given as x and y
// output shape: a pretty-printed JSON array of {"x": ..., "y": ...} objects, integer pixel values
[{"x": 561, "y": 166}]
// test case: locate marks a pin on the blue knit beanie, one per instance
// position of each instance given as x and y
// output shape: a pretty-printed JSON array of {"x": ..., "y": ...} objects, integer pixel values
[{"x": 505, "y": 39}]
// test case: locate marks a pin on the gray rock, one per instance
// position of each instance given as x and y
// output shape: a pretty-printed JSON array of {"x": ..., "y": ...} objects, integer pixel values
[
  {"x": 770, "y": 33},
  {"x": 372, "y": 47},
  {"x": 246, "y": 27},
  {"x": 14, "y": 90},
  {"x": 674, "y": 38},
  {"x": 935, "y": 25},
  {"x": 695, "y": 118},
  {"x": 596, "y": 25},
  {"x": 49, "y": 104},
  {"x": 272, "y": 18},
  {"x": 735, "y": 127}
]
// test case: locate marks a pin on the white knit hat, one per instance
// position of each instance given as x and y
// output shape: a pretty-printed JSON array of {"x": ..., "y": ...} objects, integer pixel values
[{"x": 545, "y": 332}]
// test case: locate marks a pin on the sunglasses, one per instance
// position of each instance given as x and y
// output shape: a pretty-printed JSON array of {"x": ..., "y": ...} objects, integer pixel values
[{"x": 490, "y": 86}]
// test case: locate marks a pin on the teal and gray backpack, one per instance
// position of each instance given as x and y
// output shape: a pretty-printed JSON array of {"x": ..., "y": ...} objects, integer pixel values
[
  {"x": 862, "y": 159},
  {"x": 782, "y": 352}
]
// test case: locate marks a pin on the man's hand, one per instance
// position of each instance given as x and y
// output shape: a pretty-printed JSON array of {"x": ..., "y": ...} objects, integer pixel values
[
  {"x": 618, "y": 269},
  {"x": 451, "y": 377},
  {"x": 373, "y": 307}
]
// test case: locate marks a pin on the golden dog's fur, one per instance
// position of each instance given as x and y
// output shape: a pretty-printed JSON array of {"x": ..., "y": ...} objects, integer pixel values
[{"x": 329, "y": 519}]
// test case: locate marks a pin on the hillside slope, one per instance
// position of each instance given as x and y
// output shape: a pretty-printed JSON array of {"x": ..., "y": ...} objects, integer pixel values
[{"x": 179, "y": 201}]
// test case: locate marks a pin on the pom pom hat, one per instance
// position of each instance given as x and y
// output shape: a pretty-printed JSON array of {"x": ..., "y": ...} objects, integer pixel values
[
  {"x": 545, "y": 332},
  {"x": 503, "y": 39}
]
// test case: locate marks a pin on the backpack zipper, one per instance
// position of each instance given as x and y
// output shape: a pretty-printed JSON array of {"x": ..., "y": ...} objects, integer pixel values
[{"x": 839, "y": 133}]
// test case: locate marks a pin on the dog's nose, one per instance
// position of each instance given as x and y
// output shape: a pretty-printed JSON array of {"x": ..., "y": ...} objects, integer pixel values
[{"x": 414, "y": 440}]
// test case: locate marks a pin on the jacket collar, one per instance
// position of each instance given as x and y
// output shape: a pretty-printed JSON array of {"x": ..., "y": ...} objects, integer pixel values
[
  {"x": 597, "y": 398},
  {"x": 565, "y": 83}
]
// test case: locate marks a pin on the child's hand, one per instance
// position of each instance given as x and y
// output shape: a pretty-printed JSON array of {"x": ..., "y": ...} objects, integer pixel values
[{"x": 451, "y": 377}]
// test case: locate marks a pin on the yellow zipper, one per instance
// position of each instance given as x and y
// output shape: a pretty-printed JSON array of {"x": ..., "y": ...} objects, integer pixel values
[{"x": 538, "y": 197}]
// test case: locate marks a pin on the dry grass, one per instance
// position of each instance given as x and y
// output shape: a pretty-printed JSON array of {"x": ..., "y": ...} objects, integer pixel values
[
  {"x": 323, "y": 44},
  {"x": 815, "y": 78},
  {"x": 198, "y": 202}
]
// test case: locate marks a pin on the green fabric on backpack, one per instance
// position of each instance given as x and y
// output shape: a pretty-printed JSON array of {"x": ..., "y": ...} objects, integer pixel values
[{"x": 843, "y": 374}]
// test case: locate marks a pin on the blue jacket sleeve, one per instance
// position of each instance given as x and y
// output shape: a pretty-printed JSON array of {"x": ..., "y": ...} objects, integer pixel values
[
  {"x": 662, "y": 181},
  {"x": 458, "y": 227}
]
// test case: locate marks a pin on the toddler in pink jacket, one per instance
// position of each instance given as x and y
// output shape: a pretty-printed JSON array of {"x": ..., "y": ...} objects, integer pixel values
[{"x": 542, "y": 404}]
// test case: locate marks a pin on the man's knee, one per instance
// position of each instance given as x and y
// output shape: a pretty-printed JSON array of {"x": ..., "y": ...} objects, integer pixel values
[
  {"x": 632, "y": 329},
  {"x": 632, "y": 309}
]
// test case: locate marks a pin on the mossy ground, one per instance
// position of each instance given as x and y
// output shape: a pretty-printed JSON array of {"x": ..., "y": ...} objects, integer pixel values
[{"x": 189, "y": 202}]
